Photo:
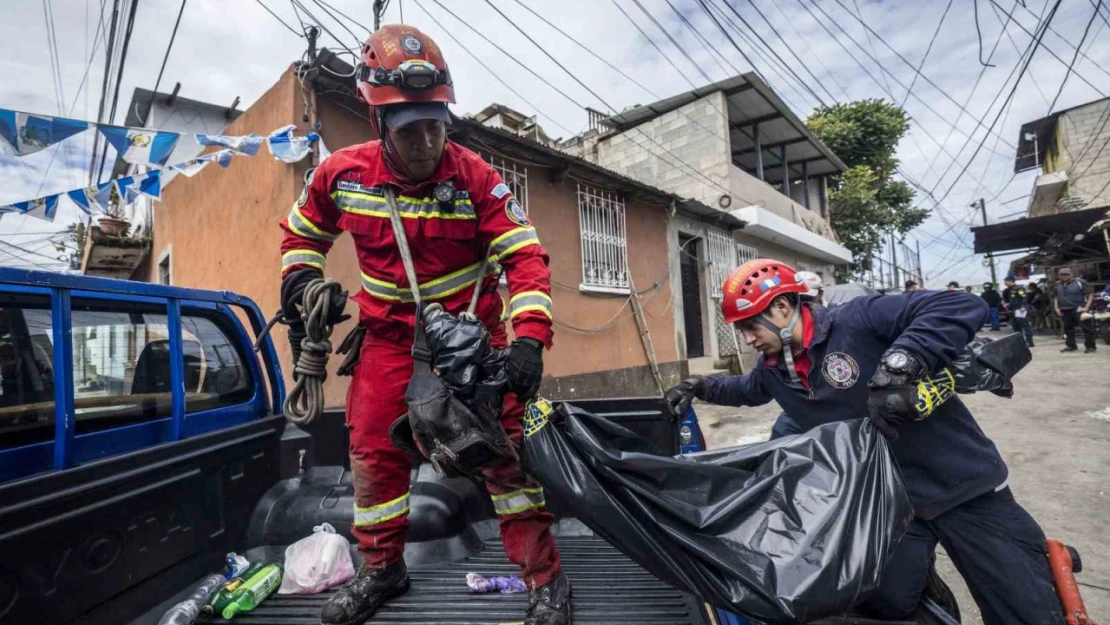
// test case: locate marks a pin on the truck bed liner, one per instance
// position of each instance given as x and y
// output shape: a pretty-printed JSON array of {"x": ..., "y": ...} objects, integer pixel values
[{"x": 609, "y": 589}]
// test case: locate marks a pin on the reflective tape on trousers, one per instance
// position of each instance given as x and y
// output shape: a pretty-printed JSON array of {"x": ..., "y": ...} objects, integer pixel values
[
  {"x": 437, "y": 288},
  {"x": 382, "y": 512},
  {"x": 518, "y": 501}
]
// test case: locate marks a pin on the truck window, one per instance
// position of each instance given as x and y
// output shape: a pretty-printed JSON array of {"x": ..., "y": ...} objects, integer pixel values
[
  {"x": 121, "y": 366},
  {"x": 26, "y": 371},
  {"x": 216, "y": 373}
]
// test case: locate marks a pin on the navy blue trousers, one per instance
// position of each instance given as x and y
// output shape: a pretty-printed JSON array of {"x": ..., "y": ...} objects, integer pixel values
[{"x": 1000, "y": 552}]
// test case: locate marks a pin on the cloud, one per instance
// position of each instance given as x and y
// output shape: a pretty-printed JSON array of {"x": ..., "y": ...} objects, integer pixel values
[{"x": 228, "y": 49}]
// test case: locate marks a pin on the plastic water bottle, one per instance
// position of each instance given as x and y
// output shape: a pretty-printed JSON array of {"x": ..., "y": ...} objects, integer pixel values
[
  {"x": 225, "y": 595},
  {"x": 186, "y": 612},
  {"x": 254, "y": 591}
]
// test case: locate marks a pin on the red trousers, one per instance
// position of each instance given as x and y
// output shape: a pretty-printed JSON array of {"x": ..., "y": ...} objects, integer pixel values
[{"x": 375, "y": 399}]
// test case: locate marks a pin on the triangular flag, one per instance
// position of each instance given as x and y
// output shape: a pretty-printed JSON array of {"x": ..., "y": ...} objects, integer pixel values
[
  {"x": 194, "y": 166},
  {"x": 285, "y": 147},
  {"x": 223, "y": 157},
  {"x": 141, "y": 147},
  {"x": 28, "y": 133},
  {"x": 43, "y": 208},
  {"x": 248, "y": 144},
  {"x": 151, "y": 185},
  {"x": 85, "y": 199}
]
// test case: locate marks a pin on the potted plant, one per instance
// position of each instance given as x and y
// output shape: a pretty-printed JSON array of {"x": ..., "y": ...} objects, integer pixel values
[{"x": 113, "y": 223}]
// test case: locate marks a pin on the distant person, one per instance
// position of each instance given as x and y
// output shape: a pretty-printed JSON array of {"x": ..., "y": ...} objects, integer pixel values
[
  {"x": 955, "y": 286},
  {"x": 994, "y": 301},
  {"x": 1038, "y": 306},
  {"x": 1017, "y": 302},
  {"x": 911, "y": 286},
  {"x": 1072, "y": 297},
  {"x": 967, "y": 289}
]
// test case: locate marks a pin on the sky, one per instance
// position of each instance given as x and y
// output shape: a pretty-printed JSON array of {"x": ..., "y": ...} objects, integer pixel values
[{"x": 234, "y": 48}]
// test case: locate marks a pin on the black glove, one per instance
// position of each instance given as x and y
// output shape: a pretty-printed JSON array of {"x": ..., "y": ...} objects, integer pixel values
[
  {"x": 892, "y": 396},
  {"x": 292, "y": 298},
  {"x": 524, "y": 365},
  {"x": 678, "y": 398}
]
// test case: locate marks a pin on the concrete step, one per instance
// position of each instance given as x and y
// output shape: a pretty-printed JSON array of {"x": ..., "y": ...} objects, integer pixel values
[{"x": 705, "y": 366}]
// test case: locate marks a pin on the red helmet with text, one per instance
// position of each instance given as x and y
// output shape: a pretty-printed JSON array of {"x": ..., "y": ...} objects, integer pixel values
[
  {"x": 400, "y": 64},
  {"x": 751, "y": 288}
]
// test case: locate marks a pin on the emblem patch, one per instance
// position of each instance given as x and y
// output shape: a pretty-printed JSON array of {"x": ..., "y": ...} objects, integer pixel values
[
  {"x": 411, "y": 44},
  {"x": 500, "y": 191},
  {"x": 516, "y": 212},
  {"x": 840, "y": 370}
]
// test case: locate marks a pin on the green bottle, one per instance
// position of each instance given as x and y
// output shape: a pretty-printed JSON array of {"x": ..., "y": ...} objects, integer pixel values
[
  {"x": 226, "y": 594},
  {"x": 254, "y": 590}
]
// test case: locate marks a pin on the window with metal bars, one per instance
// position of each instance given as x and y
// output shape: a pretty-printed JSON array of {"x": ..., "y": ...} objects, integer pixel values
[
  {"x": 601, "y": 223},
  {"x": 514, "y": 175},
  {"x": 745, "y": 253},
  {"x": 722, "y": 258}
]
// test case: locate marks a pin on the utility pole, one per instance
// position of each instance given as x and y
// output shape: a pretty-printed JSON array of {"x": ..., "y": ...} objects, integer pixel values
[
  {"x": 982, "y": 204},
  {"x": 379, "y": 9},
  {"x": 893, "y": 260}
]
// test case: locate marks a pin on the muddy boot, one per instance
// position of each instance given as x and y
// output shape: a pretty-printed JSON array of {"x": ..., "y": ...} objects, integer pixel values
[
  {"x": 550, "y": 604},
  {"x": 361, "y": 597}
]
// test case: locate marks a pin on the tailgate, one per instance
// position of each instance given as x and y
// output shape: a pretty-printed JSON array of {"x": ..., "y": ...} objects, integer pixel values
[{"x": 608, "y": 588}]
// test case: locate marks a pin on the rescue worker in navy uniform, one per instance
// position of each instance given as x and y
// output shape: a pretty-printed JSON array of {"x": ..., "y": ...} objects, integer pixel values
[
  {"x": 455, "y": 211},
  {"x": 863, "y": 358},
  {"x": 1017, "y": 302}
]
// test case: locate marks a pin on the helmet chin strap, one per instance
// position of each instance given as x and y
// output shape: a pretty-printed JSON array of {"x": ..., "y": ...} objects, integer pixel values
[{"x": 787, "y": 336}]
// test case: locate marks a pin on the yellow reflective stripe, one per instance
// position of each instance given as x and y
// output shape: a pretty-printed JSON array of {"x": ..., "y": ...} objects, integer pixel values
[
  {"x": 302, "y": 226},
  {"x": 518, "y": 501},
  {"x": 382, "y": 512},
  {"x": 312, "y": 258},
  {"x": 407, "y": 207},
  {"x": 437, "y": 288},
  {"x": 513, "y": 240},
  {"x": 529, "y": 301}
]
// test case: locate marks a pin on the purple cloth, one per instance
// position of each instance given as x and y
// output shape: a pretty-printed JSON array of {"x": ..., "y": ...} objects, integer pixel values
[{"x": 505, "y": 585}]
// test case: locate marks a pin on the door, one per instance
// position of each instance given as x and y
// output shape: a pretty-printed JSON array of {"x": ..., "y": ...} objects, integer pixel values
[{"x": 691, "y": 297}]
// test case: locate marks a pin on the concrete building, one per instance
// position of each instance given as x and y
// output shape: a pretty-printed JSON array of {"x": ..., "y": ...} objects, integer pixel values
[
  {"x": 736, "y": 146},
  {"x": 608, "y": 236},
  {"x": 1066, "y": 221}
]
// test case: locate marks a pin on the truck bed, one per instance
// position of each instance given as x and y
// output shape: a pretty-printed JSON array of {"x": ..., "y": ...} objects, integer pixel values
[{"x": 608, "y": 589}]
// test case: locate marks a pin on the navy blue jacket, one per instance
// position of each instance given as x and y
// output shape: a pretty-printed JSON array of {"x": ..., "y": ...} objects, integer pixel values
[{"x": 945, "y": 459}]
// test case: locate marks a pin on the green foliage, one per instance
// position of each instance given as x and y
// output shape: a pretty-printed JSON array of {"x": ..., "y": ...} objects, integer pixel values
[{"x": 865, "y": 202}]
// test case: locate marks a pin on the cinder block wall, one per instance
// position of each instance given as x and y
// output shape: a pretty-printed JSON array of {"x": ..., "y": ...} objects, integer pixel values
[{"x": 1084, "y": 132}]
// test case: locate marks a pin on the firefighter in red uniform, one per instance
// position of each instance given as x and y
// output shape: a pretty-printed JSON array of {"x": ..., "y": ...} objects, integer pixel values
[{"x": 454, "y": 208}]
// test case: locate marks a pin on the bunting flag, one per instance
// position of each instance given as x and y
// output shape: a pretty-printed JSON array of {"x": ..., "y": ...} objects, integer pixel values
[
  {"x": 141, "y": 147},
  {"x": 131, "y": 187},
  {"x": 249, "y": 144},
  {"x": 287, "y": 148},
  {"x": 43, "y": 208},
  {"x": 28, "y": 133}
]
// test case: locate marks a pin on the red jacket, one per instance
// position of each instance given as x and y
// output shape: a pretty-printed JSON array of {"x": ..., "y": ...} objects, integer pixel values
[{"x": 448, "y": 240}]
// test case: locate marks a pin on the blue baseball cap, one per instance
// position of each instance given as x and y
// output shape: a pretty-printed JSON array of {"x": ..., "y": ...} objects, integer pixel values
[{"x": 397, "y": 116}]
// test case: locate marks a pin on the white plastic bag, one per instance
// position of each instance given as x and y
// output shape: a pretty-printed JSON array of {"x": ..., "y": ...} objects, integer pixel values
[{"x": 316, "y": 563}]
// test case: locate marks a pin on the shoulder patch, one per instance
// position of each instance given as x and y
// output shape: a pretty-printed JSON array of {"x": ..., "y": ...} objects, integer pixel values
[
  {"x": 500, "y": 191},
  {"x": 840, "y": 370},
  {"x": 303, "y": 199},
  {"x": 516, "y": 212}
]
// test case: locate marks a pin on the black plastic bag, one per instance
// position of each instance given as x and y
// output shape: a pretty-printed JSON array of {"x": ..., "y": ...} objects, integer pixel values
[
  {"x": 463, "y": 358},
  {"x": 989, "y": 365},
  {"x": 785, "y": 531}
]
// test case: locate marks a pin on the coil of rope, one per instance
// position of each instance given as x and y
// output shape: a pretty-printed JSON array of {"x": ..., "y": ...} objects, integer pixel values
[{"x": 305, "y": 401}]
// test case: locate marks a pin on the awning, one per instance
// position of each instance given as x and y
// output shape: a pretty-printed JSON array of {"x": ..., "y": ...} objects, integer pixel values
[
  {"x": 766, "y": 225},
  {"x": 1058, "y": 231}
]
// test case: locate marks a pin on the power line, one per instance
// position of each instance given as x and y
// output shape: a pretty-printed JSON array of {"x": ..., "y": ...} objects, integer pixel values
[
  {"x": 979, "y": 33},
  {"x": 709, "y": 51},
  {"x": 929, "y": 49},
  {"x": 276, "y": 17},
  {"x": 358, "y": 40},
  {"x": 353, "y": 20},
  {"x": 816, "y": 57},
  {"x": 165, "y": 58},
  {"x": 1075, "y": 57},
  {"x": 104, "y": 88},
  {"x": 671, "y": 39},
  {"x": 119, "y": 79}
]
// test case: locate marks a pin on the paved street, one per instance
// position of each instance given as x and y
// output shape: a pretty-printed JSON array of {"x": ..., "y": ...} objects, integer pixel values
[{"x": 1055, "y": 436}]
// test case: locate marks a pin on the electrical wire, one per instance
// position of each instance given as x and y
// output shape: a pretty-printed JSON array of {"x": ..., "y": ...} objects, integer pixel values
[
  {"x": 353, "y": 20},
  {"x": 119, "y": 79},
  {"x": 1053, "y": 54},
  {"x": 317, "y": 21},
  {"x": 803, "y": 64},
  {"x": 278, "y": 18},
  {"x": 1075, "y": 57},
  {"x": 165, "y": 58},
  {"x": 318, "y": 3},
  {"x": 670, "y": 38},
  {"x": 979, "y": 33},
  {"x": 709, "y": 51},
  {"x": 929, "y": 49}
]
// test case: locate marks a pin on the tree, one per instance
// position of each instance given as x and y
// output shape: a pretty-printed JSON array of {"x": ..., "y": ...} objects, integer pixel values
[{"x": 865, "y": 202}]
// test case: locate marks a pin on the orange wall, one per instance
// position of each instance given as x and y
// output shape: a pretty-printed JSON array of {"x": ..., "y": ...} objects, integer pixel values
[{"x": 222, "y": 229}]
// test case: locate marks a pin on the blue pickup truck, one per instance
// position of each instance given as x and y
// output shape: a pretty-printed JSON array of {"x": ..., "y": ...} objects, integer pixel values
[{"x": 139, "y": 444}]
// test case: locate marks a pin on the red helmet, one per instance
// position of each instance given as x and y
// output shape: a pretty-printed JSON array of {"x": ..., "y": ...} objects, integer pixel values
[
  {"x": 752, "y": 286},
  {"x": 402, "y": 64}
]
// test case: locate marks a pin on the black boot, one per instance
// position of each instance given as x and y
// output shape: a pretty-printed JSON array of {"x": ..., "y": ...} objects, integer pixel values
[
  {"x": 549, "y": 604},
  {"x": 361, "y": 597}
]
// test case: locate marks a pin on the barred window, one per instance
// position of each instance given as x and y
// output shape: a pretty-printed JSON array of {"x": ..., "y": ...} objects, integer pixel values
[
  {"x": 745, "y": 253},
  {"x": 601, "y": 223},
  {"x": 514, "y": 174},
  {"x": 722, "y": 259}
]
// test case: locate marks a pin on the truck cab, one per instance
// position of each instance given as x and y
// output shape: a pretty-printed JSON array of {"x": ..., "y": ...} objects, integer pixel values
[{"x": 139, "y": 444}]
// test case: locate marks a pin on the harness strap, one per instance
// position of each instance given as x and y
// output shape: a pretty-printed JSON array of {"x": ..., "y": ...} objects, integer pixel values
[{"x": 787, "y": 336}]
